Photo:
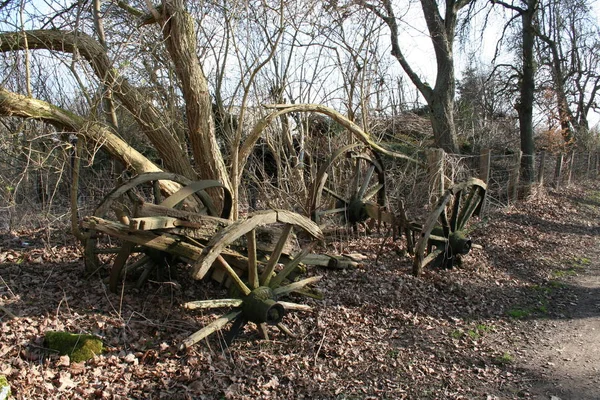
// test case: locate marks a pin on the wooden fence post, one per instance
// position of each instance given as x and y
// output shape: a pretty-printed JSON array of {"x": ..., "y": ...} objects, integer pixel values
[
  {"x": 435, "y": 164},
  {"x": 513, "y": 179},
  {"x": 558, "y": 170},
  {"x": 588, "y": 164},
  {"x": 541, "y": 168},
  {"x": 485, "y": 161},
  {"x": 571, "y": 166}
]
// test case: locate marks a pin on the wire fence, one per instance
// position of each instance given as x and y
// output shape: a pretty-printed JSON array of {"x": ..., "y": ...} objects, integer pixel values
[
  {"x": 36, "y": 180},
  {"x": 503, "y": 171}
]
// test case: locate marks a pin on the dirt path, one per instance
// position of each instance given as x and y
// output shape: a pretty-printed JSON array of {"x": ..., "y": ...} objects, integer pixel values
[{"x": 567, "y": 356}]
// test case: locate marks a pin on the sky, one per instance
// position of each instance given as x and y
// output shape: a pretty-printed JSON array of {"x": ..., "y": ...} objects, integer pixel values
[{"x": 479, "y": 49}]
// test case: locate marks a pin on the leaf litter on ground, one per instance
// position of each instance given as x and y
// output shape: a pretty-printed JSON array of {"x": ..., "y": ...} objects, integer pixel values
[{"x": 378, "y": 333}]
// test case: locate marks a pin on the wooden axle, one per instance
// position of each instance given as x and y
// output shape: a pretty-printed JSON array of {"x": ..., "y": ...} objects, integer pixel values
[
  {"x": 457, "y": 241},
  {"x": 260, "y": 306},
  {"x": 460, "y": 243}
]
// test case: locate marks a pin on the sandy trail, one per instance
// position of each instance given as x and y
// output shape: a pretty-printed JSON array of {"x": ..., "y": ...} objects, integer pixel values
[{"x": 568, "y": 355}]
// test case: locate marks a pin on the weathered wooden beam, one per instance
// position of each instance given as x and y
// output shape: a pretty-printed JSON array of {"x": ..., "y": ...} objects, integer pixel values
[
  {"x": 152, "y": 223},
  {"x": 331, "y": 261},
  {"x": 217, "y": 303},
  {"x": 166, "y": 242}
]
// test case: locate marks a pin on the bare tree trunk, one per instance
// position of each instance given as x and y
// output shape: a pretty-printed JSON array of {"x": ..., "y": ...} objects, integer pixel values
[
  {"x": 108, "y": 106},
  {"x": 180, "y": 39},
  {"x": 558, "y": 77},
  {"x": 442, "y": 32},
  {"x": 525, "y": 105},
  {"x": 442, "y": 121}
]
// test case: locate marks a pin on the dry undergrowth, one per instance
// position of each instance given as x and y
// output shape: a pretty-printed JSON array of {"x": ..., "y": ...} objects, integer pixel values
[{"x": 379, "y": 333}]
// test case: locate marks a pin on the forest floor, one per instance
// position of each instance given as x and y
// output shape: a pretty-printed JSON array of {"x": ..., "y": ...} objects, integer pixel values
[{"x": 520, "y": 318}]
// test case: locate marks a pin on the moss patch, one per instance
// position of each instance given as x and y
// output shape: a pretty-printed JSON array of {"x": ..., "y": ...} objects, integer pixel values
[
  {"x": 4, "y": 388},
  {"x": 77, "y": 347}
]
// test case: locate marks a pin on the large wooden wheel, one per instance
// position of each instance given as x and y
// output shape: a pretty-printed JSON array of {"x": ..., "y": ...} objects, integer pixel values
[
  {"x": 443, "y": 235},
  {"x": 122, "y": 205},
  {"x": 258, "y": 284},
  {"x": 347, "y": 187}
]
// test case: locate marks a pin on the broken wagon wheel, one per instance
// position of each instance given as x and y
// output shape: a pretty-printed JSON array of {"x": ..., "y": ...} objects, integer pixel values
[
  {"x": 445, "y": 226},
  {"x": 120, "y": 205},
  {"x": 349, "y": 186},
  {"x": 259, "y": 284}
]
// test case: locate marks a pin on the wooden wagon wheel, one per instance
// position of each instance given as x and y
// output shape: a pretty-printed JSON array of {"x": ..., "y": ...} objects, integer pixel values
[
  {"x": 444, "y": 229},
  {"x": 350, "y": 186},
  {"x": 121, "y": 204},
  {"x": 259, "y": 284}
]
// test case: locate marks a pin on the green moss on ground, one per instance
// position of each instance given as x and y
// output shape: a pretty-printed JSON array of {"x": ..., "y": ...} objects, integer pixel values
[
  {"x": 4, "y": 388},
  {"x": 77, "y": 347}
]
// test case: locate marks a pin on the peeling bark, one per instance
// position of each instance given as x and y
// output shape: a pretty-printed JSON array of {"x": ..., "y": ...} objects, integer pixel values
[{"x": 180, "y": 40}]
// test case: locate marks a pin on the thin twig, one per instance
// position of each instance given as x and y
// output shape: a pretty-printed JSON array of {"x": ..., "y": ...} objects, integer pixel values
[{"x": 320, "y": 345}]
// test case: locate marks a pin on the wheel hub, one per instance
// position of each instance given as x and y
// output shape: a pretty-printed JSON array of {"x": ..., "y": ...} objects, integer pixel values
[{"x": 260, "y": 306}]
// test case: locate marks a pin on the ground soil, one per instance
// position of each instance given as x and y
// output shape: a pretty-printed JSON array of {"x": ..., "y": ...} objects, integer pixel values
[
  {"x": 519, "y": 318},
  {"x": 567, "y": 353}
]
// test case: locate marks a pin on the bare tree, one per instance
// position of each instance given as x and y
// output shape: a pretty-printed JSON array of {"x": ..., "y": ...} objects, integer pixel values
[
  {"x": 484, "y": 111},
  {"x": 527, "y": 11},
  {"x": 441, "y": 21},
  {"x": 179, "y": 39},
  {"x": 568, "y": 43}
]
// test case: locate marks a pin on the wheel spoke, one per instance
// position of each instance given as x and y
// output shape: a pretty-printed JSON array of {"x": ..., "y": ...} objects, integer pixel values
[
  {"x": 296, "y": 285},
  {"x": 219, "y": 303},
  {"x": 233, "y": 275},
  {"x": 444, "y": 221},
  {"x": 133, "y": 266},
  {"x": 121, "y": 214},
  {"x": 134, "y": 198},
  {"x": 372, "y": 192},
  {"x": 319, "y": 187},
  {"x": 264, "y": 332},
  {"x": 333, "y": 211},
  {"x": 355, "y": 177},
  {"x": 275, "y": 282},
  {"x": 366, "y": 180},
  {"x": 237, "y": 325},
  {"x": 481, "y": 198},
  {"x": 150, "y": 266},
  {"x": 455, "y": 211},
  {"x": 274, "y": 259},
  {"x": 334, "y": 194},
  {"x": 469, "y": 207},
  {"x": 210, "y": 328},
  {"x": 286, "y": 330},
  {"x": 156, "y": 192},
  {"x": 118, "y": 264},
  {"x": 294, "y": 306},
  {"x": 431, "y": 256}
]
